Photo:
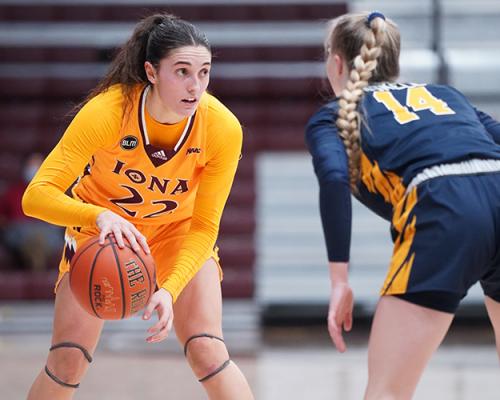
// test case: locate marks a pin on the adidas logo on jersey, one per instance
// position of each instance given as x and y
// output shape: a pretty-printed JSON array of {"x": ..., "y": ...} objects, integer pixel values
[
  {"x": 192, "y": 150},
  {"x": 160, "y": 154}
]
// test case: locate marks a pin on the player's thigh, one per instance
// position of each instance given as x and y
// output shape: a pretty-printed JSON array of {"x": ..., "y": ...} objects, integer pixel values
[
  {"x": 71, "y": 322},
  {"x": 493, "y": 307},
  {"x": 402, "y": 340},
  {"x": 199, "y": 307}
]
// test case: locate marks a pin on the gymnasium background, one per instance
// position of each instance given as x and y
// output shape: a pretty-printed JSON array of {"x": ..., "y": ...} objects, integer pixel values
[{"x": 268, "y": 68}]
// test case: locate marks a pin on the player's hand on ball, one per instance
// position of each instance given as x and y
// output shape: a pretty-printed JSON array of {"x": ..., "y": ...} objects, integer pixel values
[
  {"x": 161, "y": 301},
  {"x": 340, "y": 313},
  {"x": 109, "y": 222}
]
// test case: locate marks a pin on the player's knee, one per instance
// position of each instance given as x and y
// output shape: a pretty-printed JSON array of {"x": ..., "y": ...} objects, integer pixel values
[
  {"x": 206, "y": 355},
  {"x": 67, "y": 364}
]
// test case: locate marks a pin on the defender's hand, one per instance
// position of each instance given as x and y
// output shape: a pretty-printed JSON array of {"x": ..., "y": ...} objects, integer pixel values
[{"x": 340, "y": 313}]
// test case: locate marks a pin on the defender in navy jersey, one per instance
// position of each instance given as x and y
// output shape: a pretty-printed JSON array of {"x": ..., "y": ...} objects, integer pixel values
[{"x": 422, "y": 157}]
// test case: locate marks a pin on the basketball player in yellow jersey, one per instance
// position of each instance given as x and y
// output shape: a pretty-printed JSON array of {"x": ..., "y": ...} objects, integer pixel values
[{"x": 150, "y": 157}]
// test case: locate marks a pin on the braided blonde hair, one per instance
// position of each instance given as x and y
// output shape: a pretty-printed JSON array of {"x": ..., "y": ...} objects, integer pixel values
[{"x": 370, "y": 45}]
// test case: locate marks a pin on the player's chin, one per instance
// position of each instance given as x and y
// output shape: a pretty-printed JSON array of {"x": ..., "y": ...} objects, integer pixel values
[{"x": 188, "y": 108}]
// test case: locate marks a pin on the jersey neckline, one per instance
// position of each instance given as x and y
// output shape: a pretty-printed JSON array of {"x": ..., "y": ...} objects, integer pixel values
[{"x": 156, "y": 154}]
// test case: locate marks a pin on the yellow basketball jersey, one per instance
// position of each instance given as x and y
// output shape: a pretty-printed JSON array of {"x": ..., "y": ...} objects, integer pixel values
[
  {"x": 161, "y": 178},
  {"x": 142, "y": 182}
]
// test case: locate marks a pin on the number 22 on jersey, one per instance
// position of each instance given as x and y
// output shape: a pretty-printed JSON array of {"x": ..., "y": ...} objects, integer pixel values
[{"x": 418, "y": 98}]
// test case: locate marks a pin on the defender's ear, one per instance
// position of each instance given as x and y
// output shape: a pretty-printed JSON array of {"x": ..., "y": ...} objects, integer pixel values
[{"x": 339, "y": 63}]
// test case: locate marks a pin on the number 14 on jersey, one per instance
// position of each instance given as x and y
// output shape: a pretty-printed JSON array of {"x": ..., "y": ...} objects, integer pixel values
[{"x": 418, "y": 98}]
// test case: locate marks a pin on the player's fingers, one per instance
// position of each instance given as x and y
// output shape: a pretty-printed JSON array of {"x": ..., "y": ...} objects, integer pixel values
[
  {"x": 144, "y": 244},
  {"x": 102, "y": 236},
  {"x": 117, "y": 231},
  {"x": 162, "y": 335},
  {"x": 131, "y": 239},
  {"x": 348, "y": 322},
  {"x": 336, "y": 335},
  {"x": 148, "y": 311},
  {"x": 158, "y": 337},
  {"x": 170, "y": 322},
  {"x": 340, "y": 314},
  {"x": 159, "y": 330},
  {"x": 338, "y": 340},
  {"x": 156, "y": 327},
  {"x": 141, "y": 240},
  {"x": 162, "y": 322}
]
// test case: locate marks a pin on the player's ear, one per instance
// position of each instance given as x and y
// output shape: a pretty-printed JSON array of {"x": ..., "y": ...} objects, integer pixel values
[
  {"x": 150, "y": 72},
  {"x": 339, "y": 63}
]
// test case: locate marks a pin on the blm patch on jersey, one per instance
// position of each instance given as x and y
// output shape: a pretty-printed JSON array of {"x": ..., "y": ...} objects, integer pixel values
[{"x": 129, "y": 142}]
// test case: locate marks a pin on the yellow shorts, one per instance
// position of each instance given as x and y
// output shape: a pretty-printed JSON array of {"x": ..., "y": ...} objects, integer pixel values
[{"x": 163, "y": 240}]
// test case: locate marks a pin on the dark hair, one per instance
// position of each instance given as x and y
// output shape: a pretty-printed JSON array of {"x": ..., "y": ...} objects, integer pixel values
[{"x": 153, "y": 39}]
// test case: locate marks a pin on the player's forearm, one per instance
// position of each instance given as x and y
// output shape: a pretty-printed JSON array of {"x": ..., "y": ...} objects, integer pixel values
[
  {"x": 198, "y": 245},
  {"x": 196, "y": 249},
  {"x": 49, "y": 204}
]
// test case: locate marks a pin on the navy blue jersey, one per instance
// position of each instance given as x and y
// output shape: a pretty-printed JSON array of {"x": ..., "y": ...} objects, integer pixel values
[
  {"x": 405, "y": 129},
  {"x": 410, "y": 127}
]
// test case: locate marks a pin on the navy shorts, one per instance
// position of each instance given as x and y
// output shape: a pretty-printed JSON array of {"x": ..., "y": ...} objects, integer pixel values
[{"x": 446, "y": 234}]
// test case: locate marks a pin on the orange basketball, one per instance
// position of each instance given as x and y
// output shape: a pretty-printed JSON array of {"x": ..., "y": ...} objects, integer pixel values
[{"x": 109, "y": 282}]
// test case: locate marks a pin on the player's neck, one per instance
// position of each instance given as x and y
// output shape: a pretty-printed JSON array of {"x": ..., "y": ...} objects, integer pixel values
[{"x": 159, "y": 112}]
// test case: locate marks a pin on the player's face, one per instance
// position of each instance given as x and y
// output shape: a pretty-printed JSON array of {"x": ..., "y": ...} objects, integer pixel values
[{"x": 179, "y": 81}]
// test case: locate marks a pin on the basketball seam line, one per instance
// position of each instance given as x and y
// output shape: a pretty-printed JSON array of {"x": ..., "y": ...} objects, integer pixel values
[
  {"x": 90, "y": 280},
  {"x": 74, "y": 260},
  {"x": 117, "y": 259}
]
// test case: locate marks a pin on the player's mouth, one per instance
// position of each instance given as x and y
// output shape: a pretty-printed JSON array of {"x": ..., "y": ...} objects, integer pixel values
[{"x": 189, "y": 100}]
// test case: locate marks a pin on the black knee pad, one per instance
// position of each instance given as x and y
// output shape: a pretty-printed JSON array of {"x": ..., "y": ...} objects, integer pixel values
[
  {"x": 218, "y": 369},
  {"x": 86, "y": 354}
]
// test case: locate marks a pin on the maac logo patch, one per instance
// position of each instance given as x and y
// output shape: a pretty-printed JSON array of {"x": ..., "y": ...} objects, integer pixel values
[
  {"x": 192, "y": 150},
  {"x": 129, "y": 142}
]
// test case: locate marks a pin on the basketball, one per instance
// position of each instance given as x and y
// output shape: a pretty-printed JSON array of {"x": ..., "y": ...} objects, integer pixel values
[{"x": 109, "y": 282}]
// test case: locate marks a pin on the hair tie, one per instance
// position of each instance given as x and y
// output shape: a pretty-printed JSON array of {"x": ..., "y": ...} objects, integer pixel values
[{"x": 373, "y": 15}]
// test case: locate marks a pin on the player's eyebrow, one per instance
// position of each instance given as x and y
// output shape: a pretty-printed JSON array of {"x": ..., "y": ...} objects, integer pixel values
[{"x": 188, "y": 63}]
